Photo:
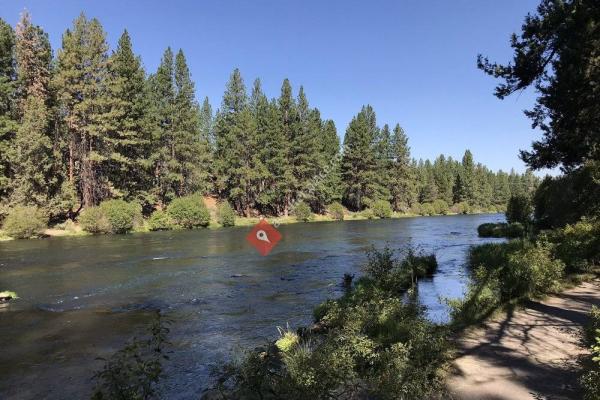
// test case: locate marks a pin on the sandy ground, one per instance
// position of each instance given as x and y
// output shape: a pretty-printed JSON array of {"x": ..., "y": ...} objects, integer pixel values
[{"x": 527, "y": 353}]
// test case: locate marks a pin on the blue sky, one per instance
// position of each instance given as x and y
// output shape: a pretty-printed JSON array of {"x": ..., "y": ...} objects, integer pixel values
[{"x": 413, "y": 61}]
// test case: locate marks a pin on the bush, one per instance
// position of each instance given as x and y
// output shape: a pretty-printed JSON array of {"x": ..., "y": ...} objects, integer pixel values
[
  {"x": 24, "y": 222},
  {"x": 302, "y": 212},
  {"x": 189, "y": 212},
  {"x": 93, "y": 220},
  {"x": 514, "y": 230},
  {"x": 135, "y": 371},
  {"x": 120, "y": 215},
  {"x": 367, "y": 213},
  {"x": 382, "y": 209},
  {"x": 226, "y": 215},
  {"x": 337, "y": 211},
  {"x": 590, "y": 379},
  {"x": 160, "y": 220},
  {"x": 461, "y": 208},
  {"x": 577, "y": 245},
  {"x": 427, "y": 209},
  {"x": 373, "y": 335},
  {"x": 519, "y": 209},
  {"x": 440, "y": 207}
]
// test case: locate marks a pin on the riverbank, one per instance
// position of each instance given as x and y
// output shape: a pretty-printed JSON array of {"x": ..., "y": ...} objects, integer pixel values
[
  {"x": 75, "y": 230},
  {"x": 524, "y": 353}
]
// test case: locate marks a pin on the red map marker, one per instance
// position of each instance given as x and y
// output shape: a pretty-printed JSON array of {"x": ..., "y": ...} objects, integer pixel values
[{"x": 263, "y": 237}]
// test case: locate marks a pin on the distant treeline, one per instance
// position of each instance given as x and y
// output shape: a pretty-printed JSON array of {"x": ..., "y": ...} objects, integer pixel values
[{"x": 88, "y": 125}]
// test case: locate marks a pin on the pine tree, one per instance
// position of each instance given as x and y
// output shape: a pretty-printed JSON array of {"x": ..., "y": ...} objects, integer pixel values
[
  {"x": 328, "y": 183},
  {"x": 32, "y": 150},
  {"x": 383, "y": 152},
  {"x": 207, "y": 124},
  {"x": 359, "y": 162},
  {"x": 191, "y": 156},
  {"x": 402, "y": 185},
  {"x": 288, "y": 113},
  {"x": 127, "y": 167},
  {"x": 161, "y": 92},
  {"x": 235, "y": 131},
  {"x": 8, "y": 123},
  {"x": 81, "y": 81}
]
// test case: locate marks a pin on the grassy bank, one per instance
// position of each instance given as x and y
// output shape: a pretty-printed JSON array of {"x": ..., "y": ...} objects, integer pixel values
[{"x": 69, "y": 229}]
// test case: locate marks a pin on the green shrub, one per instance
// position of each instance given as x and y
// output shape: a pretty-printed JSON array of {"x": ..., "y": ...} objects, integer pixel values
[
  {"x": 427, "y": 209},
  {"x": 590, "y": 379},
  {"x": 93, "y": 220},
  {"x": 440, "y": 207},
  {"x": 302, "y": 212},
  {"x": 160, "y": 220},
  {"x": 530, "y": 272},
  {"x": 367, "y": 213},
  {"x": 420, "y": 264},
  {"x": 120, "y": 215},
  {"x": 519, "y": 209},
  {"x": 577, "y": 245},
  {"x": 492, "y": 255},
  {"x": 226, "y": 215},
  {"x": 497, "y": 230},
  {"x": 461, "y": 208},
  {"x": 135, "y": 371},
  {"x": 25, "y": 222},
  {"x": 382, "y": 209},
  {"x": 337, "y": 211},
  {"x": 189, "y": 212},
  {"x": 373, "y": 335}
]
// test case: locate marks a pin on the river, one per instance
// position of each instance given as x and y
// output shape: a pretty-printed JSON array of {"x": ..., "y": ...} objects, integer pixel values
[{"x": 84, "y": 297}]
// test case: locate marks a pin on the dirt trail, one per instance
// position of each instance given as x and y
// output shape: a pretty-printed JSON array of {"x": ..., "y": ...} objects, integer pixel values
[{"x": 527, "y": 353}]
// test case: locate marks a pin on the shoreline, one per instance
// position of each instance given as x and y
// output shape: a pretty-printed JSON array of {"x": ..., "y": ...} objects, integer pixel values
[{"x": 76, "y": 231}]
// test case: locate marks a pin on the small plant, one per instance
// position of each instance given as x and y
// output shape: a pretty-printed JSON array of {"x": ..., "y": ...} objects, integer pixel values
[
  {"x": 368, "y": 213},
  {"x": 226, "y": 215},
  {"x": 427, "y": 209},
  {"x": 382, "y": 209},
  {"x": 440, "y": 207},
  {"x": 8, "y": 295},
  {"x": 302, "y": 212},
  {"x": 189, "y": 212},
  {"x": 134, "y": 371},
  {"x": 337, "y": 211},
  {"x": 93, "y": 220},
  {"x": 288, "y": 340},
  {"x": 121, "y": 215},
  {"x": 160, "y": 220},
  {"x": 24, "y": 222}
]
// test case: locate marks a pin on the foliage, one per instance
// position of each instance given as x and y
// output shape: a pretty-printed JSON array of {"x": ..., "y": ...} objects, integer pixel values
[
  {"x": 461, "y": 208},
  {"x": 370, "y": 343},
  {"x": 302, "y": 211},
  {"x": 504, "y": 273},
  {"x": 427, "y": 209},
  {"x": 519, "y": 209},
  {"x": 94, "y": 220},
  {"x": 368, "y": 213},
  {"x": 25, "y": 222},
  {"x": 189, "y": 212},
  {"x": 590, "y": 379},
  {"x": 8, "y": 294},
  {"x": 577, "y": 245},
  {"x": 160, "y": 220},
  {"x": 382, "y": 209},
  {"x": 497, "y": 230},
  {"x": 226, "y": 215},
  {"x": 561, "y": 35},
  {"x": 120, "y": 215},
  {"x": 568, "y": 198},
  {"x": 336, "y": 210},
  {"x": 133, "y": 372},
  {"x": 92, "y": 125}
]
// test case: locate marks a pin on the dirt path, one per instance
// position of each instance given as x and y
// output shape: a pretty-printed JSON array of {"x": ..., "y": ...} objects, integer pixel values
[{"x": 528, "y": 353}]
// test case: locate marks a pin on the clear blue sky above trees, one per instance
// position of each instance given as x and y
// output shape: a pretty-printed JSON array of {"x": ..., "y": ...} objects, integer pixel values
[{"x": 414, "y": 62}]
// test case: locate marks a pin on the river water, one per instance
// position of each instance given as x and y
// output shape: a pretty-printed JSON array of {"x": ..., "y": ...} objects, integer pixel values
[{"x": 84, "y": 297}]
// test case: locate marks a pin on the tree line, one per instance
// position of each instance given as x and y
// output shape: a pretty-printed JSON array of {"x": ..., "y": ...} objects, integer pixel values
[{"x": 90, "y": 124}]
